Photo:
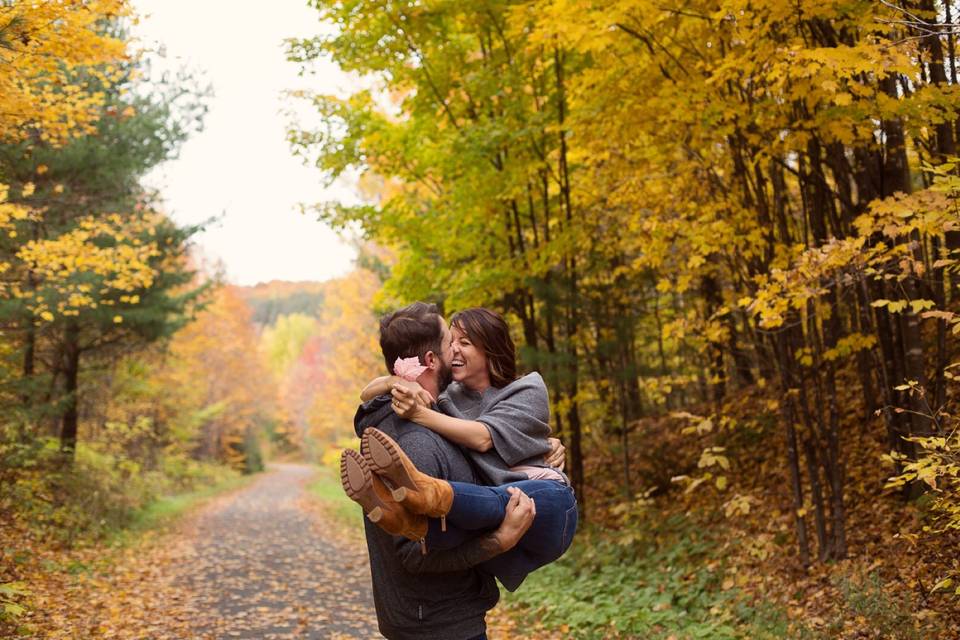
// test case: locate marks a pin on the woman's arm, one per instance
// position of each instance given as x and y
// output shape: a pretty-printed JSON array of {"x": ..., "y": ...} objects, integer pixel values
[
  {"x": 467, "y": 433},
  {"x": 384, "y": 384},
  {"x": 517, "y": 417},
  {"x": 378, "y": 387}
]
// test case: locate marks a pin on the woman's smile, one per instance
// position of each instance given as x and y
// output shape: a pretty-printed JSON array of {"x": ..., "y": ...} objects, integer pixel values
[{"x": 469, "y": 362}]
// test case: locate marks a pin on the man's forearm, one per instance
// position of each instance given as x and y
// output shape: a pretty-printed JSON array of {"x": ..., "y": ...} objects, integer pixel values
[{"x": 467, "y": 555}]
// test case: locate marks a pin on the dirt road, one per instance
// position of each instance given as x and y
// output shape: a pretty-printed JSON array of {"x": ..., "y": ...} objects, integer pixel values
[{"x": 258, "y": 564}]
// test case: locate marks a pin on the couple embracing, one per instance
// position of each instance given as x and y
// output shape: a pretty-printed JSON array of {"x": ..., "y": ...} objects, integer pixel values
[{"x": 456, "y": 472}]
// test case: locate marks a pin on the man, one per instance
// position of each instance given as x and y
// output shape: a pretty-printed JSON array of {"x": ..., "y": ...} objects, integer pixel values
[{"x": 438, "y": 595}]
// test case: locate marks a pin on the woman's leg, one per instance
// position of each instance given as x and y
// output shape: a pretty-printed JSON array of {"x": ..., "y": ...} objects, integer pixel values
[
  {"x": 546, "y": 540},
  {"x": 478, "y": 507},
  {"x": 475, "y": 508},
  {"x": 439, "y": 539}
]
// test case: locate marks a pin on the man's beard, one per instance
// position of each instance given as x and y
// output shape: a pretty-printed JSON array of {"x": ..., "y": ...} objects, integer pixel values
[{"x": 444, "y": 376}]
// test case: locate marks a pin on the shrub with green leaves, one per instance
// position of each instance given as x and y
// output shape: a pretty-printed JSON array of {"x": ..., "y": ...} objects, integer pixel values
[
  {"x": 11, "y": 596},
  {"x": 666, "y": 582}
]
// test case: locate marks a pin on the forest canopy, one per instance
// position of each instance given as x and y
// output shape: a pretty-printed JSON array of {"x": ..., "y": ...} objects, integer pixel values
[{"x": 680, "y": 209}]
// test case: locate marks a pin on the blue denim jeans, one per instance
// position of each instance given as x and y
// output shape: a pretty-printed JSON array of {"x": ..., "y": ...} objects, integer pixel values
[{"x": 477, "y": 509}]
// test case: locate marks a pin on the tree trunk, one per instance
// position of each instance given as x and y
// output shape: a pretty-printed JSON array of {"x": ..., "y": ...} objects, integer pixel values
[
  {"x": 787, "y": 384},
  {"x": 71, "y": 372}
]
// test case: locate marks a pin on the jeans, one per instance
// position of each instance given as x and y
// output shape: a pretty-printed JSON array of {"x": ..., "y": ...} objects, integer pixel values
[{"x": 477, "y": 509}]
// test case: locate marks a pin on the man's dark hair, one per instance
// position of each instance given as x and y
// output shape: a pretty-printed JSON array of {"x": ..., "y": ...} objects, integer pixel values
[
  {"x": 489, "y": 332},
  {"x": 411, "y": 331}
]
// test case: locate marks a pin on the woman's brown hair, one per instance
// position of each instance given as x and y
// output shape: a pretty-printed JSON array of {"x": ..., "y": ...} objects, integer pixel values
[{"x": 489, "y": 332}]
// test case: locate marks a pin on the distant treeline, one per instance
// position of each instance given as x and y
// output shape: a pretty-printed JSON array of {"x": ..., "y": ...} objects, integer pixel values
[{"x": 271, "y": 300}]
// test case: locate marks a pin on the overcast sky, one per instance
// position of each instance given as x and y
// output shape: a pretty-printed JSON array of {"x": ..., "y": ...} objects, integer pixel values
[{"x": 240, "y": 165}]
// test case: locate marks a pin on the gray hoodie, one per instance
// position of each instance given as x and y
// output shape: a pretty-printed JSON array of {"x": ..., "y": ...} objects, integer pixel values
[
  {"x": 518, "y": 418},
  {"x": 440, "y": 595}
]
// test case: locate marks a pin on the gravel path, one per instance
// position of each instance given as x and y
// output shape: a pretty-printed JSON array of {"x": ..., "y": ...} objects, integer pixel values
[{"x": 259, "y": 565}]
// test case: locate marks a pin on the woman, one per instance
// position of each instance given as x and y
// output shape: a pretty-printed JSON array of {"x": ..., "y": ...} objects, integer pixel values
[{"x": 502, "y": 422}]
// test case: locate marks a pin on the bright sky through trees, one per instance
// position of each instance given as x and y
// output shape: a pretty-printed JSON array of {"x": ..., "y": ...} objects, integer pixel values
[{"x": 239, "y": 166}]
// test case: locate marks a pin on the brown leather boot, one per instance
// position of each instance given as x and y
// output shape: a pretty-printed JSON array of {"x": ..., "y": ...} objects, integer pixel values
[
  {"x": 417, "y": 491},
  {"x": 369, "y": 491}
]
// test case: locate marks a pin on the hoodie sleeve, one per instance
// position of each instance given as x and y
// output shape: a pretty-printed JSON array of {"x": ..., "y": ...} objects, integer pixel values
[
  {"x": 519, "y": 420},
  {"x": 468, "y": 555},
  {"x": 371, "y": 413}
]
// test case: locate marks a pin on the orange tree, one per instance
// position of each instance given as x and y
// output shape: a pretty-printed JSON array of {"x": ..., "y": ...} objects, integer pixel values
[{"x": 226, "y": 393}]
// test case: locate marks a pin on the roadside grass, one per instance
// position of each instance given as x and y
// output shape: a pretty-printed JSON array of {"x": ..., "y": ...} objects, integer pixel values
[
  {"x": 326, "y": 489},
  {"x": 666, "y": 585},
  {"x": 166, "y": 510}
]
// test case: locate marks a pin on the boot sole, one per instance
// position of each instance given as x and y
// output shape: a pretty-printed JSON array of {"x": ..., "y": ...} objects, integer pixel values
[
  {"x": 384, "y": 457},
  {"x": 357, "y": 481}
]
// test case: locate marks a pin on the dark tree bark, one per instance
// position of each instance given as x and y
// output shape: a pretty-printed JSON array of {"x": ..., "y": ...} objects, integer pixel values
[{"x": 71, "y": 372}]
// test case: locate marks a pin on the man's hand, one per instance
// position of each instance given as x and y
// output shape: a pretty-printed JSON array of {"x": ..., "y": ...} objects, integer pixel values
[
  {"x": 520, "y": 512},
  {"x": 408, "y": 398},
  {"x": 556, "y": 458}
]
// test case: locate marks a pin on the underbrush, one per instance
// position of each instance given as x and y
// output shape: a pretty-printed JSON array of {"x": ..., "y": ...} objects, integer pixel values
[
  {"x": 897, "y": 582},
  {"x": 60, "y": 519},
  {"x": 96, "y": 495},
  {"x": 664, "y": 583}
]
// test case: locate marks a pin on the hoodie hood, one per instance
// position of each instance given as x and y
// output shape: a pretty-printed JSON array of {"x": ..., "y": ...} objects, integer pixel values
[{"x": 373, "y": 413}]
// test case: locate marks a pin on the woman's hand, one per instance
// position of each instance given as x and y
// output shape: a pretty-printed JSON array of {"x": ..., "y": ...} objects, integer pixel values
[
  {"x": 423, "y": 396},
  {"x": 557, "y": 457},
  {"x": 409, "y": 398}
]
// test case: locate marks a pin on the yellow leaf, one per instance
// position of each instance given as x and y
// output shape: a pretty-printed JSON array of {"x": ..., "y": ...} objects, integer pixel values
[
  {"x": 943, "y": 584},
  {"x": 919, "y": 305}
]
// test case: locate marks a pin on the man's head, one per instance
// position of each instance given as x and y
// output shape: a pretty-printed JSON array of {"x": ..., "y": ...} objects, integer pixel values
[{"x": 418, "y": 330}]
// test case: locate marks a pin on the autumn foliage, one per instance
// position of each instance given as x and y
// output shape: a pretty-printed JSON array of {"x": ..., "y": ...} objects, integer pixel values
[
  {"x": 726, "y": 233},
  {"x": 684, "y": 210}
]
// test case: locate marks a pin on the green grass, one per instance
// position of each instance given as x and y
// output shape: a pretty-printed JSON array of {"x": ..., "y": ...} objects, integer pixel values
[
  {"x": 166, "y": 510},
  {"x": 665, "y": 584},
  {"x": 327, "y": 490}
]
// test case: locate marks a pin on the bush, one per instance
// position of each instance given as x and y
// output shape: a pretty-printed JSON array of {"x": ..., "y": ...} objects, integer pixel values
[
  {"x": 663, "y": 583},
  {"x": 100, "y": 492},
  {"x": 936, "y": 471},
  {"x": 11, "y": 593}
]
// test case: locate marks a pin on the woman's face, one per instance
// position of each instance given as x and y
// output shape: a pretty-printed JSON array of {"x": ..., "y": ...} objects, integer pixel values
[{"x": 469, "y": 362}]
